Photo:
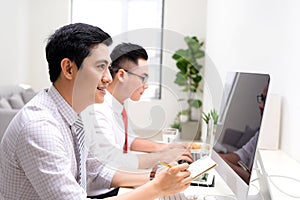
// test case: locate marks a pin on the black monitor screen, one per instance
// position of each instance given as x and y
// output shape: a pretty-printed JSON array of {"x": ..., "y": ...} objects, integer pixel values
[{"x": 240, "y": 119}]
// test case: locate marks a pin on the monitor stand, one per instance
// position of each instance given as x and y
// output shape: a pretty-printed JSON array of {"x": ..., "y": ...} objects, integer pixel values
[
  {"x": 262, "y": 176},
  {"x": 261, "y": 192}
]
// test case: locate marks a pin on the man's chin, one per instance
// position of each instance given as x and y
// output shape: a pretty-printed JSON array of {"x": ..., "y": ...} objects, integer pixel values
[
  {"x": 135, "y": 98},
  {"x": 99, "y": 99}
]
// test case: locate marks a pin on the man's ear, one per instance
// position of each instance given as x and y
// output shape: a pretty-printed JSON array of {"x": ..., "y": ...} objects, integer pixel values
[
  {"x": 121, "y": 75},
  {"x": 68, "y": 68}
]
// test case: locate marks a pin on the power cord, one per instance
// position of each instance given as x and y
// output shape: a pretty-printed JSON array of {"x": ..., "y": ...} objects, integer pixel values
[
  {"x": 276, "y": 186},
  {"x": 279, "y": 189},
  {"x": 260, "y": 195}
]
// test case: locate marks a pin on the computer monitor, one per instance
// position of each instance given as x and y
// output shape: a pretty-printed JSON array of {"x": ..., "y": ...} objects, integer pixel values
[{"x": 241, "y": 113}]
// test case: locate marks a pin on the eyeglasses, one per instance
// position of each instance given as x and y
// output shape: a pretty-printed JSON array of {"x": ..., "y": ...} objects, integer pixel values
[
  {"x": 260, "y": 98},
  {"x": 143, "y": 78}
]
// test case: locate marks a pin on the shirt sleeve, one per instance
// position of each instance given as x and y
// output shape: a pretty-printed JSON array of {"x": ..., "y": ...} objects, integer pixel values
[
  {"x": 99, "y": 176},
  {"x": 246, "y": 153},
  {"x": 46, "y": 162}
]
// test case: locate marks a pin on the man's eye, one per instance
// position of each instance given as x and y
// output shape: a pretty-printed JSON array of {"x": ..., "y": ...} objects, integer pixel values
[{"x": 102, "y": 66}]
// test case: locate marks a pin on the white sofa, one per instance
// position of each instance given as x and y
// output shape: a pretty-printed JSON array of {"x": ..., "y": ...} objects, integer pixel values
[{"x": 12, "y": 98}]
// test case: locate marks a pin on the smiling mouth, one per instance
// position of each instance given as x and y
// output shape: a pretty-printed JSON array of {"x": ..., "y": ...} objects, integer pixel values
[{"x": 101, "y": 89}]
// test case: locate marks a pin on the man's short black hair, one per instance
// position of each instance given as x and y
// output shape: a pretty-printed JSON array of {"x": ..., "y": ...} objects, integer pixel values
[
  {"x": 124, "y": 53},
  {"x": 73, "y": 41}
]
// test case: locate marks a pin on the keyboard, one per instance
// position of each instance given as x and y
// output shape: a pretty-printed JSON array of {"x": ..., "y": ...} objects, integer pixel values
[
  {"x": 178, "y": 196},
  {"x": 181, "y": 196}
]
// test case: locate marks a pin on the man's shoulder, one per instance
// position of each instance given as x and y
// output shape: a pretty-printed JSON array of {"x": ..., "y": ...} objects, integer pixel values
[
  {"x": 39, "y": 110},
  {"x": 33, "y": 118},
  {"x": 102, "y": 108},
  {"x": 40, "y": 106}
]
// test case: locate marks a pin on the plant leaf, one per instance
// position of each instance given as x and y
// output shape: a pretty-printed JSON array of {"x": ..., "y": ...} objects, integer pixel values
[
  {"x": 181, "y": 53},
  {"x": 185, "y": 112},
  {"x": 206, "y": 117},
  {"x": 197, "y": 79},
  {"x": 197, "y": 66},
  {"x": 214, "y": 115},
  {"x": 199, "y": 54},
  {"x": 181, "y": 79},
  {"x": 196, "y": 103},
  {"x": 193, "y": 70},
  {"x": 182, "y": 65}
]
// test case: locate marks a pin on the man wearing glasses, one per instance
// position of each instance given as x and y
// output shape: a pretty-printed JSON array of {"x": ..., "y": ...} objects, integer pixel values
[
  {"x": 113, "y": 137},
  {"x": 43, "y": 154}
]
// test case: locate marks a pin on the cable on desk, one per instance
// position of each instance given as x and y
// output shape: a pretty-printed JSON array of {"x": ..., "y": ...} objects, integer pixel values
[
  {"x": 260, "y": 195},
  {"x": 287, "y": 177},
  {"x": 277, "y": 187}
]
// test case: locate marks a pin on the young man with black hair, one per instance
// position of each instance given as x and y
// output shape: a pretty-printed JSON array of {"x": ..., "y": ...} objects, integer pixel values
[
  {"x": 113, "y": 136},
  {"x": 41, "y": 153}
]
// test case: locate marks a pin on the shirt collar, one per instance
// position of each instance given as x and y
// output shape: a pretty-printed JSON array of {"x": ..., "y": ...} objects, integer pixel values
[
  {"x": 113, "y": 103},
  {"x": 63, "y": 107}
]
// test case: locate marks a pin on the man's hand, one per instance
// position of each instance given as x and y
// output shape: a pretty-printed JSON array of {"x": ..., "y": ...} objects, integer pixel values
[
  {"x": 173, "y": 180},
  {"x": 176, "y": 154}
]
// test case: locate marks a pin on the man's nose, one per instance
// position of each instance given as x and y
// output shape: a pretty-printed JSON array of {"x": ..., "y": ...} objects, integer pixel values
[
  {"x": 145, "y": 86},
  {"x": 107, "y": 78}
]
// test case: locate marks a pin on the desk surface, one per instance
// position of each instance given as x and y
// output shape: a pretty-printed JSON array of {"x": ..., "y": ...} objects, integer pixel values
[{"x": 278, "y": 166}]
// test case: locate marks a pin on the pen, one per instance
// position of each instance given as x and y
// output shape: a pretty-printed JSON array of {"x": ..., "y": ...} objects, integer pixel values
[{"x": 165, "y": 164}]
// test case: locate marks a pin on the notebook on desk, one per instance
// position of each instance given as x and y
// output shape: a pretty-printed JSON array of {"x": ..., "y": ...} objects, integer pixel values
[
  {"x": 201, "y": 166},
  {"x": 197, "y": 168}
]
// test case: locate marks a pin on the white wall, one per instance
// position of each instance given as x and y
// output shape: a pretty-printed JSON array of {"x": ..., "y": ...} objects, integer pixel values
[
  {"x": 25, "y": 26},
  {"x": 261, "y": 36},
  {"x": 28, "y": 23},
  {"x": 13, "y": 39},
  {"x": 45, "y": 16},
  {"x": 181, "y": 18}
]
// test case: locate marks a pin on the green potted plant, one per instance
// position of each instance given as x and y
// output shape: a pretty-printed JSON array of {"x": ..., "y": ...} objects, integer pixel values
[
  {"x": 209, "y": 136},
  {"x": 189, "y": 77}
]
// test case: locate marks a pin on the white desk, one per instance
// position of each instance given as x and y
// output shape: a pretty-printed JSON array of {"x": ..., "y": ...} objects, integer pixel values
[
  {"x": 275, "y": 163},
  {"x": 278, "y": 163}
]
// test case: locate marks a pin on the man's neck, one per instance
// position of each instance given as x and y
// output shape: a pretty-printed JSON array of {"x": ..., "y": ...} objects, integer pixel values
[
  {"x": 65, "y": 93},
  {"x": 116, "y": 93}
]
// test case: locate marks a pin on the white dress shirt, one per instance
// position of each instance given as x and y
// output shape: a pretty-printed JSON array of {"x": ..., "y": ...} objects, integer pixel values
[
  {"x": 117, "y": 132},
  {"x": 247, "y": 152},
  {"x": 106, "y": 135},
  {"x": 37, "y": 159}
]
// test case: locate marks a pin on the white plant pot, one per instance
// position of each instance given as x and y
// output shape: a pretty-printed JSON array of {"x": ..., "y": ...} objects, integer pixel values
[{"x": 190, "y": 131}]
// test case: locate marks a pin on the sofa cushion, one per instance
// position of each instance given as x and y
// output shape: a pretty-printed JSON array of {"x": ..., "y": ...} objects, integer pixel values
[
  {"x": 248, "y": 134},
  {"x": 6, "y": 116},
  {"x": 4, "y": 103},
  {"x": 27, "y": 95},
  {"x": 16, "y": 101},
  {"x": 232, "y": 136},
  {"x": 7, "y": 91}
]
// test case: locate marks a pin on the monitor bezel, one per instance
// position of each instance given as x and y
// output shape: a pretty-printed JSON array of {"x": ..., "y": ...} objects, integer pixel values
[{"x": 237, "y": 185}]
